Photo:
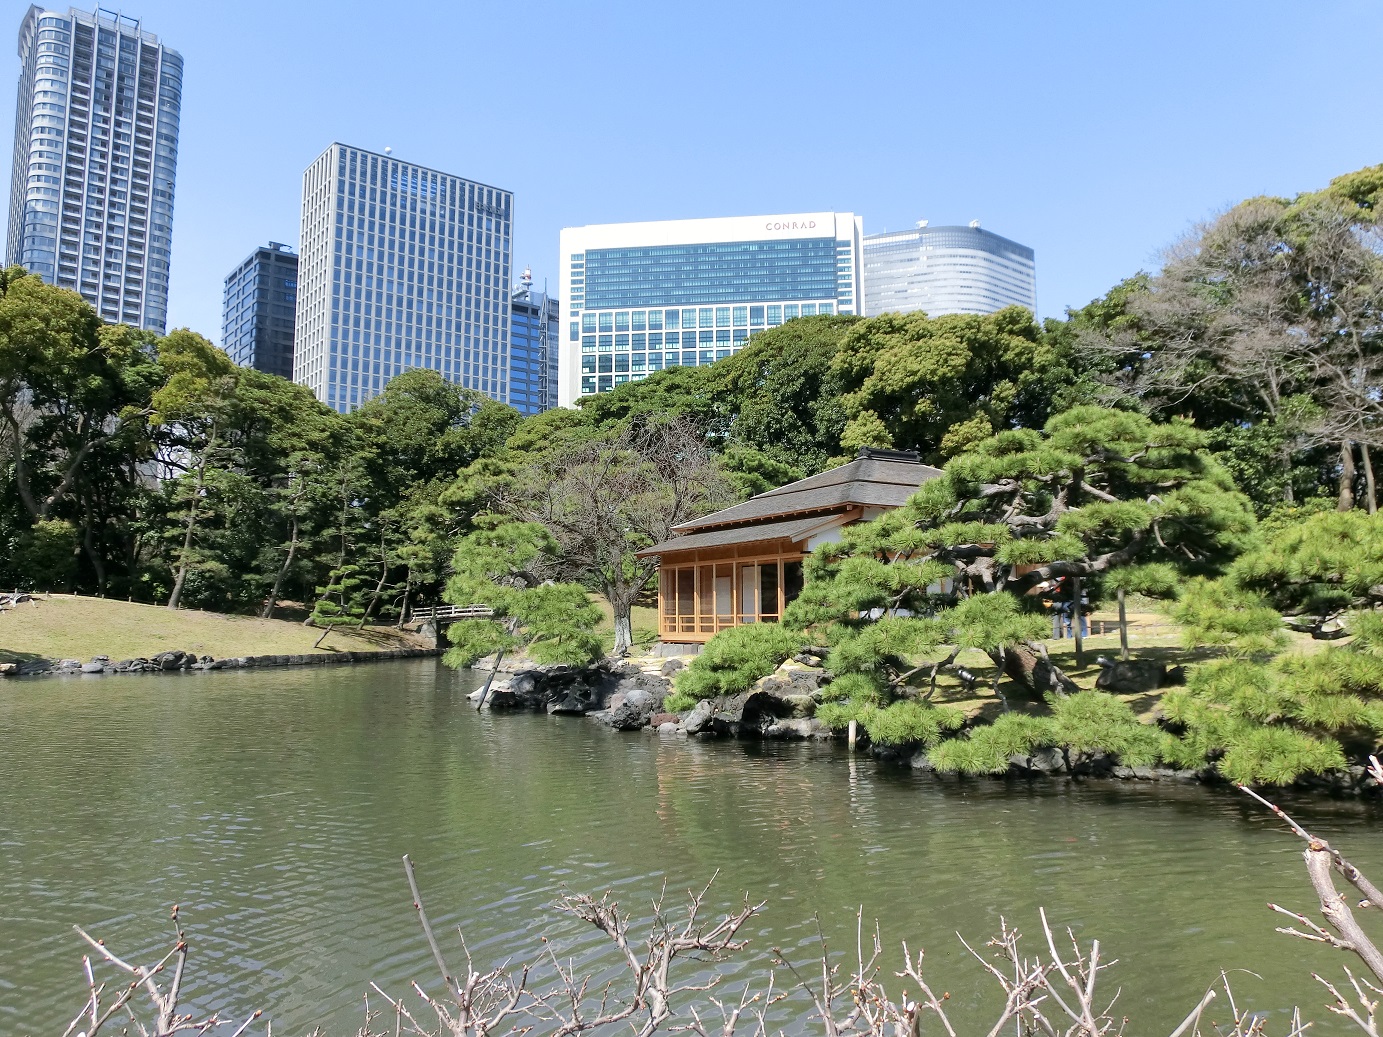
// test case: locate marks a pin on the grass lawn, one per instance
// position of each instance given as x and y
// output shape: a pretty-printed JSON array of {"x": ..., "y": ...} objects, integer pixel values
[{"x": 71, "y": 627}]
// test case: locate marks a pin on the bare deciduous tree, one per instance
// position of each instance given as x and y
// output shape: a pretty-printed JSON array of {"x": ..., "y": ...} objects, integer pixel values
[{"x": 606, "y": 499}]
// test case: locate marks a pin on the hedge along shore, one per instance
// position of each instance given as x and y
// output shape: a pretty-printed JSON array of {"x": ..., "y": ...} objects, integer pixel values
[{"x": 180, "y": 662}]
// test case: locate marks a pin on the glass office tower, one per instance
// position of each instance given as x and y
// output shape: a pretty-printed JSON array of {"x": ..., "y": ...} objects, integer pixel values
[
  {"x": 401, "y": 267},
  {"x": 95, "y": 158},
  {"x": 533, "y": 338},
  {"x": 644, "y": 296},
  {"x": 942, "y": 270},
  {"x": 257, "y": 314}
]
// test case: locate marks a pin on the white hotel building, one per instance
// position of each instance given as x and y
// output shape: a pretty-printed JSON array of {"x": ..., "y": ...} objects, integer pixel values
[{"x": 641, "y": 297}]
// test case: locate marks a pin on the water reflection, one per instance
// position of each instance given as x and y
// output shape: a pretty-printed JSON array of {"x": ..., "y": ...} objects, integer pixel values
[{"x": 275, "y": 806}]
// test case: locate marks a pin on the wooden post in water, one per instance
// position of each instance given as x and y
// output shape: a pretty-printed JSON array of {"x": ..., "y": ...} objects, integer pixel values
[
  {"x": 851, "y": 736},
  {"x": 1123, "y": 627},
  {"x": 1076, "y": 622}
]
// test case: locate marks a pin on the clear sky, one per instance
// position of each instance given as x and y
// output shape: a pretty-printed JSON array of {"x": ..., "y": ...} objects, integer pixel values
[{"x": 1096, "y": 133}]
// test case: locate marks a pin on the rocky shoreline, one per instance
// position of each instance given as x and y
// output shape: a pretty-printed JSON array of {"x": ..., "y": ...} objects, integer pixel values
[
  {"x": 180, "y": 662},
  {"x": 629, "y": 696}
]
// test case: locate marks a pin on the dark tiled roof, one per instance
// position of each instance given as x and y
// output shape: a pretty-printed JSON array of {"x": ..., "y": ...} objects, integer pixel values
[
  {"x": 792, "y": 529},
  {"x": 868, "y": 481}
]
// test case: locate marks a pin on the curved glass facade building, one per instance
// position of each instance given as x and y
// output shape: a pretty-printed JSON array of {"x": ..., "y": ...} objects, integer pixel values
[
  {"x": 641, "y": 297},
  {"x": 95, "y": 160},
  {"x": 941, "y": 270}
]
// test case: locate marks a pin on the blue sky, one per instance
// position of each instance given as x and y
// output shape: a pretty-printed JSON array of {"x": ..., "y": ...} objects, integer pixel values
[{"x": 1096, "y": 133}]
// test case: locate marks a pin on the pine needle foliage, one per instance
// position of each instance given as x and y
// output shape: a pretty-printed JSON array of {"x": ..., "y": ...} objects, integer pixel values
[
  {"x": 733, "y": 660},
  {"x": 960, "y": 566},
  {"x": 504, "y": 564},
  {"x": 1322, "y": 566},
  {"x": 1082, "y": 724}
]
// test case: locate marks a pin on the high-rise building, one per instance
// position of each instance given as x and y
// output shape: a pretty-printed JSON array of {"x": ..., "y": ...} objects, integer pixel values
[
  {"x": 257, "y": 314},
  {"x": 401, "y": 267},
  {"x": 942, "y": 270},
  {"x": 533, "y": 336},
  {"x": 95, "y": 158},
  {"x": 644, "y": 296}
]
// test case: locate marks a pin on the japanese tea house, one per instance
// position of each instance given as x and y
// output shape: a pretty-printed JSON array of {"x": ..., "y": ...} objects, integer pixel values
[{"x": 744, "y": 564}]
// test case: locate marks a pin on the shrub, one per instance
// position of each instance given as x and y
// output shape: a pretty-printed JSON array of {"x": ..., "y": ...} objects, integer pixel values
[
  {"x": 733, "y": 660},
  {"x": 906, "y": 722},
  {"x": 986, "y": 750}
]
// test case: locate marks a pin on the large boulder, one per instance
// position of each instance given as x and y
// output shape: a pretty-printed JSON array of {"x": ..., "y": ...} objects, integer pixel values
[
  {"x": 1135, "y": 676},
  {"x": 634, "y": 710},
  {"x": 700, "y": 716}
]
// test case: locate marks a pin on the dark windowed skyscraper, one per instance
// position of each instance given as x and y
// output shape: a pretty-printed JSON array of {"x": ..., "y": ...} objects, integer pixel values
[
  {"x": 257, "y": 317},
  {"x": 95, "y": 154},
  {"x": 533, "y": 342}
]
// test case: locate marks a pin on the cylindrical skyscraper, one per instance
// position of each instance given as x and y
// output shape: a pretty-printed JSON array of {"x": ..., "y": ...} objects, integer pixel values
[{"x": 942, "y": 270}]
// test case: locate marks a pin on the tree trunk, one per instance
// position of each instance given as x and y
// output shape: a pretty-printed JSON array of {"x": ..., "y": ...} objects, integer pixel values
[
  {"x": 1371, "y": 490},
  {"x": 268, "y": 611},
  {"x": 624, "y": 630},
  {"x": 175, "y": 598},
  {"x": 325, "y": 630},
  {"x": 98, "y": 563},
  {"x": 403, "y": 605},
  {"x": 1029, "y": 668},
  {"x": 485, "y": 691},
  {"x": 1346, "y": 498},
  {"x": 379, "y": 586},
  {"x": 1123, "y": 627}
]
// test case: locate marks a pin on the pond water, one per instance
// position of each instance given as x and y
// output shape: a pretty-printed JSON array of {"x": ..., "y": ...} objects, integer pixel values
[{"x": 274, "y": 808}]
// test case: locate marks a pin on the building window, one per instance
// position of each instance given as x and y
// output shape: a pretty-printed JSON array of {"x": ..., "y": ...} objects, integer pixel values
[
  {"x": 588, "y": 364},
  {"x": 756, "y": 316},
  {"x": 607, "y": 343},
  {"x": 790, "y": 311},
  {"x": 655, "y": 361},
  {"x": 621, "y": 363},
  {"x": 638, "y": 362},
  {"x": 741, "y": 316},
  {"x": 809, "y": 309},
  {"x": 622, "y": 342},
  {"x": 588, "y": 322},
  {"x": 775, "y": 316},
  {"x": 655, "y": 320},
  {"x": 607, "y": 321},
  {"x": 588, "y": 343},
  {"x": 606, "y": 364},
  {"x": 824, "y": 307},
  {"x": 575, "y": 331},
  {"x": 639, "y": 340},
  {"x": 636, "y": 320},
  {"x": 671, "y": 318},
  {"x": 722, "y": 316}
]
